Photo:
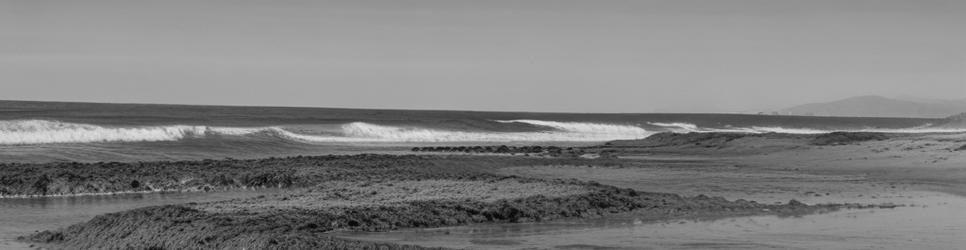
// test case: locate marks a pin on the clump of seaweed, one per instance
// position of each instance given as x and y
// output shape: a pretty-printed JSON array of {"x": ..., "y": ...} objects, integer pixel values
[{"x": 846, "y": 138}]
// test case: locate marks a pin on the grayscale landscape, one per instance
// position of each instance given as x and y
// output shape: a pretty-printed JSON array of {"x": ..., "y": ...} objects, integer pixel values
[{"x": 431, "y": 124}]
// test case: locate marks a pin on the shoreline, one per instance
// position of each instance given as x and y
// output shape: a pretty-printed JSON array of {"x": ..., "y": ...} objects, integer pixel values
[
  {"x": 734, "y": 175},
  {"x": 608, "y": 200}
]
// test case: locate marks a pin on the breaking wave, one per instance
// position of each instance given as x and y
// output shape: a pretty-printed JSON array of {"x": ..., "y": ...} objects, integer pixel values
[
  {"x": 24, "y": 132},
  {"x": 42, "y": 131},
  {"x": 677, "y": 127},
  {"x": 558, "y": 131},
  {"x": 680, "y": 127},
  {"x": 19, "y": 132}
]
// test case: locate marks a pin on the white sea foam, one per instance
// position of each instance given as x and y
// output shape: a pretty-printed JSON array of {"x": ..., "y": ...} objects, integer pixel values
[
  {"x": 559, "y": 131},
  {"x": 677, "y": 127},
  {"x": 593, "y": 129},
  {"x": 17, "y": 132},
  {"x": 20, "y": 132},
  {"x": 918, "y": 130},
  {"x": 680, "y": 127},
  {"x": 42, "y": 131}
]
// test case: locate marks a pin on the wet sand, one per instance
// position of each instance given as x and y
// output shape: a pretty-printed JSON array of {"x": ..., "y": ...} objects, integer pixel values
[
  {"x": 919, "y": 178},
  {"x": 642, "y": 193},
  {"x": 931, "y": 221},
  {"x": 22, "y": 216}
]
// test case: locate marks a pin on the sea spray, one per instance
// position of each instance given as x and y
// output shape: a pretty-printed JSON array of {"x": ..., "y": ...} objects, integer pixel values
[
  {"x": 43, "y": 131},
  {"x": 28, "y": 132},
  {"x": 556, "y": 131},
  {"x": 25, "y": 132}
]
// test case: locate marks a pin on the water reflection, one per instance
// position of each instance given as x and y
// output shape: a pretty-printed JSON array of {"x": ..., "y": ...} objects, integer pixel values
[{"x": 931, "y": 221}]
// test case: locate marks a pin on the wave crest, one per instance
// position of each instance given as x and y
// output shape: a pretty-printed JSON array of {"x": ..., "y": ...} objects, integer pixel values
[
  {"x": 19, "y": 132},
  {"x": 561, "y": 131},
  {"x": 43, "y": 131}
]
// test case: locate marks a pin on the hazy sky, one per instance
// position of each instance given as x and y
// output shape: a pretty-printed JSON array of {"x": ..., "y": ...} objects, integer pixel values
[{"x": 539, "y": 55}]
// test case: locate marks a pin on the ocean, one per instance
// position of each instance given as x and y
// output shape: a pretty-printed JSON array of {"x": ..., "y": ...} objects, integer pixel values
[{"x": 60, "y": 131}]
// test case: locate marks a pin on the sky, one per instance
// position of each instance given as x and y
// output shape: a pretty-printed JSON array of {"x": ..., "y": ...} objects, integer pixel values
[{"x": 502, "y": 55}]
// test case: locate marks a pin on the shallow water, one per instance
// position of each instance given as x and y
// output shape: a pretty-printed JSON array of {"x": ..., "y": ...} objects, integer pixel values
[
  {"x": 21, "y": 216},
  {"x": 929, "y": 221}
]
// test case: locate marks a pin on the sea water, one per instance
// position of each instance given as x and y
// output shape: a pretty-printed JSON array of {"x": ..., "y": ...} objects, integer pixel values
[{"x": 51, "y": 131}]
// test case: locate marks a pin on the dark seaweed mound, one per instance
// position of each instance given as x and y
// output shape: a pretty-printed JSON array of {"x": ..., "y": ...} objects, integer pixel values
[
  {"x": 504, "y": 149},
  {"x": 182, "y": 227},
  {"x": 190, "y": 227},
  {"x": 204, "y": 175},
  {"x": 704, "y": 140},
  {"x": 845, "y": 138},
  {"x": 105, "y": 177},
  {"x": 674, "y": 139}
]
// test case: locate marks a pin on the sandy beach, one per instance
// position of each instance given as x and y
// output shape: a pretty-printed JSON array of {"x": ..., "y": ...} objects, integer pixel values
[
  {"x": 497, "y": 124},
  {"x": 664, "y": 177}
]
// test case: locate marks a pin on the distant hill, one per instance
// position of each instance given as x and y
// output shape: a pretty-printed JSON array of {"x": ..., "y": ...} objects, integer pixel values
[{"x": 877, "y": 106}]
